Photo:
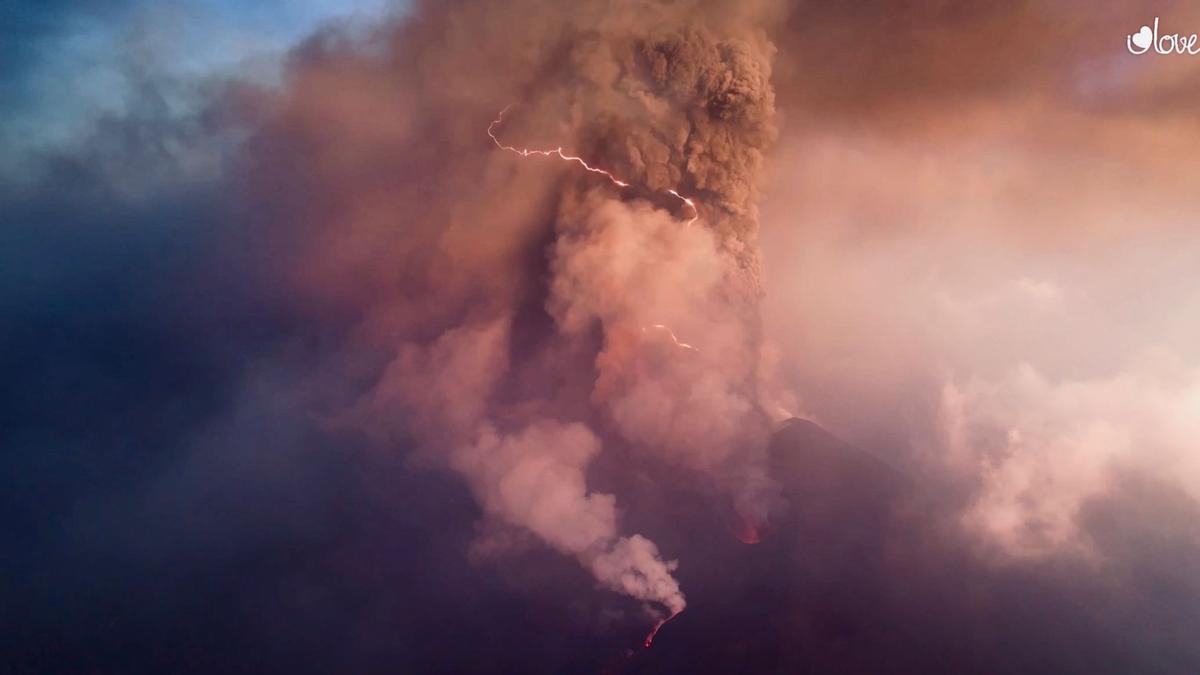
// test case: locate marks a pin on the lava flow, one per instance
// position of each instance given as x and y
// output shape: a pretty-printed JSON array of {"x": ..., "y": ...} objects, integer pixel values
[
  {"x": 558, "y": 152},
  {"x": 746, "y": 532},
  {"x": 650, "y": 638}
]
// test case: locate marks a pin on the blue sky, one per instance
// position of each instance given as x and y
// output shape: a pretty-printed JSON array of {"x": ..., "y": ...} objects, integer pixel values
[{"x": 62, "y": 64}]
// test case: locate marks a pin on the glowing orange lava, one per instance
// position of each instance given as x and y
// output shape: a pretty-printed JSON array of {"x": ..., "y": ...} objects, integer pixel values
[
  {"x": 558, "y": 152},
  {"x": 650, "y": 638},
  {"x": 748, "y": 534},
  {"x": 746, "y": 529}
]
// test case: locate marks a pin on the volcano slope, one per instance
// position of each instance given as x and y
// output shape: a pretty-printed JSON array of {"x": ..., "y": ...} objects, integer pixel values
[{"x": 866, "y": 569}]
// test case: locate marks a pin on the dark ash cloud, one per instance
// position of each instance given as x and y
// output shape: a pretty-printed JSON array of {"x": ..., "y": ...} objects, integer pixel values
[{"x": 317, "y": 380}]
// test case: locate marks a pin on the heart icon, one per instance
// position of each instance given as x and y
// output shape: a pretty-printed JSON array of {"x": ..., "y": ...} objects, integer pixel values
[{"x": 1143, "y": 38}]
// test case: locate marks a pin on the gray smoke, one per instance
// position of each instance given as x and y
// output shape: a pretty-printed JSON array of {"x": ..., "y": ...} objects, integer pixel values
[{"x": 540, "y": 312}]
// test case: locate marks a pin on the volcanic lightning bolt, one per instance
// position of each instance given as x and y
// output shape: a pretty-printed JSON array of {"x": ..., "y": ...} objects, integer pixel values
[
  {"x": 691, "y": 205},
  {"x": 561, "y": 154},
  {"x": 670, "y": 333}
]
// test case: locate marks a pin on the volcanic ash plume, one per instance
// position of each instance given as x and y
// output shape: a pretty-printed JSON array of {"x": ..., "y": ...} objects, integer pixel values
[
  {"x": 634, "y": 320},
  {"x": 688, "y": 113}
]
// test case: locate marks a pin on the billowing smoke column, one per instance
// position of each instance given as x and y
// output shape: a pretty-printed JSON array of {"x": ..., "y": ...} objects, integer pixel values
[{"x": 633, "y": 319}]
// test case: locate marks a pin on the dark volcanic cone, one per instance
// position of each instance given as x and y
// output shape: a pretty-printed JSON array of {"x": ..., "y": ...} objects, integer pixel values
[
  {"x": 866, "y": 569},
  {"x": 810, "y": 579}
]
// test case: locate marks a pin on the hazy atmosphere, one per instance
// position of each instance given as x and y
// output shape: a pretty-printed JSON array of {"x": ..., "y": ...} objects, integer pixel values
[{"x": 606, "y": 336}]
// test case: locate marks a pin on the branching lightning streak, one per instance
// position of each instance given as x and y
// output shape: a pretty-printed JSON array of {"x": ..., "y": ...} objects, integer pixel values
[
  {"x": 558, "y": 152},
  {"x": 691, "y": 205},
  {"x": 526, "y": 152},
  {"x": 561, "y": 154}
]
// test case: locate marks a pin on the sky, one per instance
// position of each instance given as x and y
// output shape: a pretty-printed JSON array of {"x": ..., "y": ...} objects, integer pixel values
[
  {"x": 65, "y": 63},
  {"x": 868, "y": 344}
]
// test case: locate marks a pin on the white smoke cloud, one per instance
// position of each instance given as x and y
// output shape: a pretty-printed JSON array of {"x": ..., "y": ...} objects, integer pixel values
[
  {"x": 536, "y": 478},
  {"x": 1018, "y": 320},
  {"x": 655, "y": 286},
  {"x": 1043, "y": 447},
  {"x": 632, "y": 566}
]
